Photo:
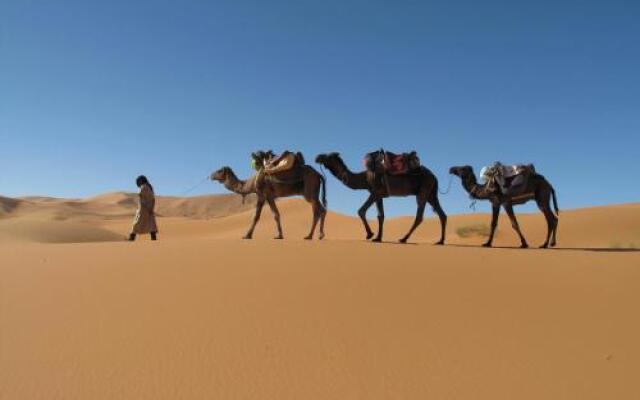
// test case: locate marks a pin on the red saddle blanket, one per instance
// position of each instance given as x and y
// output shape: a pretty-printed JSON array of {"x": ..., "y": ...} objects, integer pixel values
[
  {"x": 391, "y": 163},
  {"x": 396, "y": 164}
]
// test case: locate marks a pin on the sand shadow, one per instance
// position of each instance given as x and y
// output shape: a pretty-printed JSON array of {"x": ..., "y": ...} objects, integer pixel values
[
  {"x": 597, "y": 249},
  {"x": 394, "y": 242},
  {"x": 593, "y": 249}
]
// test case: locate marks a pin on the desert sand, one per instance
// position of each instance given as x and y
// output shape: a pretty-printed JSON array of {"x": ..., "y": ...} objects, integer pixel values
[{"x": 202, "y": 314}]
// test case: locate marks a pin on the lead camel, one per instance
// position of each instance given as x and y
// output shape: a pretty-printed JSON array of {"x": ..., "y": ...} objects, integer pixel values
[{"x": 306, "y": 182}]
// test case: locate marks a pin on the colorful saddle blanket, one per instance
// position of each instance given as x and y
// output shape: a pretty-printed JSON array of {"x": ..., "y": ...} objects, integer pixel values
[{"x": 392, "y": 163}]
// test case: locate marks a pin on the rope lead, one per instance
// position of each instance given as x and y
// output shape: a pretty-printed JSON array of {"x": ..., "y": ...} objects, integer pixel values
[{"x": 195, "y": 186}]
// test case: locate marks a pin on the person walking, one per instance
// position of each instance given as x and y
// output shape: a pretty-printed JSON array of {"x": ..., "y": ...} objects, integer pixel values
[{"x": 145, "y": 219}]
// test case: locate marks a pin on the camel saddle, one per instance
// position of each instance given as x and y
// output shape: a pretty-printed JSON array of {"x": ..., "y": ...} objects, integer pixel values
[
  {"x": 510, "y": 180},
  {"x": 286, "y": 169},
  {"x": 285, "y": 162},
  {"x": 382, "y": 161},
  {"x": 271, "y": 164}
]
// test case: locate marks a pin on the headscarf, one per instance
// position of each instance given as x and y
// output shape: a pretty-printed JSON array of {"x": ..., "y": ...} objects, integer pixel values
[{"x": 142, "y": 180}]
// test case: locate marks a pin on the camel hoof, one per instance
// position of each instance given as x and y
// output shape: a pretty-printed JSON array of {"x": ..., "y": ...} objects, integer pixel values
[
  {"x": 553, "y": 244},
  {"x": 377, "y": 240},
  {"x": 279, "y": 237},
  {"x": 524, "y": 246},
  {"x": 321, "y": 236},
  {"x": 486, "y": 245},
  {"x": 403, "y": 240},
  {"x": 369, "y": 236},
  {"x": 308, "y": 237},
  {"x": 440, "y": 243},
  {"x": 544, "y": 246},
  {"x": 246, "y": 237}
]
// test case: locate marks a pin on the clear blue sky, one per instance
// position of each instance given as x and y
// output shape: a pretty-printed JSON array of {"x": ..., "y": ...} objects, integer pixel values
[{"x": 93, "y": 93}]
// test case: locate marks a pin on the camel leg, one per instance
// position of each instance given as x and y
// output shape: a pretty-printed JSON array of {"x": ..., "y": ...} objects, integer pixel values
[
  {"x": 380, "y": 207},
  {"x": 419, "y": 217},
  {"x": 508, "y": 207},
  {"x": 256, "y": 218},
  {"x": 495, "y": 213},
  {"x": 555, "y": 229},
  {"x": 276, "y": 216},
  {"x": 551, "y": 221},
  {"x": 321, "y": 205},
  {"x": 551, "y": 228},
  {"x": 435, "y": 204},
  {"x": 317, "y": 213},
  {"x": 323, "y": 215},
  {"x": 553, "y": 217},
  {"x": 362, "y": 212}
]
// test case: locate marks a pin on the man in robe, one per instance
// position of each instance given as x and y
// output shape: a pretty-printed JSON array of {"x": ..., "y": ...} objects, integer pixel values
[{"x": 145, "y": 219}]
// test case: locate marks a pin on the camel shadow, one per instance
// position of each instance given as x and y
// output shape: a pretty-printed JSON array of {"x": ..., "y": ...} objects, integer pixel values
[
  {"x": 598, "y": 249},
  {"x": 392, "y": 242},
  {"x": 592, "y": 249}
]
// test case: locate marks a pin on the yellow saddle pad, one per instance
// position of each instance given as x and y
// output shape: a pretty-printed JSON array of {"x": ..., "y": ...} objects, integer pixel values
[{"x": 285, "y": 164}]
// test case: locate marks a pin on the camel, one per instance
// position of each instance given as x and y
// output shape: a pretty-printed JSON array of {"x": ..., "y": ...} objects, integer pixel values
[
  {"x": 422, "y": 184},
  {"x": 304, "y": 180},
  {"x": 537, "y": 188}
]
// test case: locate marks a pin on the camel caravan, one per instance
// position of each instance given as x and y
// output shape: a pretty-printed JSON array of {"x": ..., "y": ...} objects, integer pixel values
[{"x": 388, "y": 174}]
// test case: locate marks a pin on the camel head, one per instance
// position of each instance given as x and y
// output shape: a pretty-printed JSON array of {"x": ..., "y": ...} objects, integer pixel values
[
  {"x": 328, "y": 159},
  {"x": 221, "y": 174},
  {"x": 462, "y": 171}
]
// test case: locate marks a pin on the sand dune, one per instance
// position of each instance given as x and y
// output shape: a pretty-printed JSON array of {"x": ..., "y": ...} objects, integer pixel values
[
  {"x": 201, "y": 314},
  {"x": 46, "y": 219},
  {"x": 7, "y": 205},
  {"x": 123, "y": 205},
  {"x": 200, "y": 207},
  {"x": 225, "y": 217},
  {"x": 34, "y": 230}
]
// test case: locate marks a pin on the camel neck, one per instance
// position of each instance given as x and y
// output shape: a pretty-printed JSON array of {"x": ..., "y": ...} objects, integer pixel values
[
  {"x": 473, "y": 188},
  {"x": 236, "y": 185},
  {"x": 350, "y": 179}
]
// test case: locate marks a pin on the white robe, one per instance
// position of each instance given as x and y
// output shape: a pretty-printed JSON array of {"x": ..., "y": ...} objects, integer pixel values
[{"x": 145, "y": 219}]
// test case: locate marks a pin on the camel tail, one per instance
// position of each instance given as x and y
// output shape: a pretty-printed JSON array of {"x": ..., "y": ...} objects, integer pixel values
[
  {"x": 555, "y": 201},
  {"x": 323, "y": 183}
]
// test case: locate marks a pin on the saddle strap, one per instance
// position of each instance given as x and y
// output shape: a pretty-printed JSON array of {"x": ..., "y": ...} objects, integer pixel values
[
  {"x": 523, "y": 196},
  {"x": 273, "y": 179}
]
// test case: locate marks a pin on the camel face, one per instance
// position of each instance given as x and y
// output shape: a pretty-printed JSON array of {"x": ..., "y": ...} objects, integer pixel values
[
  {"x": 220, "y": 175},
  {"x": 461, "y": 171},
  {"x": 327, "y": 159}
]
